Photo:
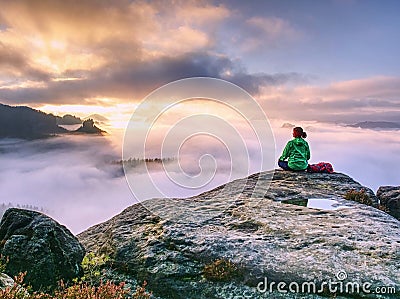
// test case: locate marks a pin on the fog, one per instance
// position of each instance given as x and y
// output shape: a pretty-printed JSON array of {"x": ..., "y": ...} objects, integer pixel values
[
  {"x": 73, "y": 179},
  {"x": 70, "y": 177}
]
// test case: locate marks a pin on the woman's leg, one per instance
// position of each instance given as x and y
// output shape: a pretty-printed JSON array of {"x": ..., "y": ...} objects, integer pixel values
[{"x": 283, "y": 165}]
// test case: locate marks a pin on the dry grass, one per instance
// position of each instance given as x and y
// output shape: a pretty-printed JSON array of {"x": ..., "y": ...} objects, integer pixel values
[
  {"x": 359, "y": 196},
  {"x": 79, "y": 290},
  {"x": 221, "y": 270}
]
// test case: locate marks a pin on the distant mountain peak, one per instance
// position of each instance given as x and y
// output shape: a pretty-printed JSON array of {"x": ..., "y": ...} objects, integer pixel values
[
  {"x": 68, "y": 119},
  {"x": 89, "y": 127},
  {"x": 97, "y": 118},
  {"x": 376, "y": 125},
  {"x": 27, "y": 123},
  {"x": 287, "y": 125}
]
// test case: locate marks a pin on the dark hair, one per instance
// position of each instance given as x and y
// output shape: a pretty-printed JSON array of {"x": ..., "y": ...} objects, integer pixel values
[{"x": 298, "y": 132}]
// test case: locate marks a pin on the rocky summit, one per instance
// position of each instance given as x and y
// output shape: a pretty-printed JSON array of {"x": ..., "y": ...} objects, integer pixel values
[
  {"x": 246, "y": 238},
  {"x": 35, "y": 243}
]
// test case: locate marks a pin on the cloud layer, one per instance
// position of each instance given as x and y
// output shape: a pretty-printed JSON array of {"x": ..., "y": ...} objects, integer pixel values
[
  {"x": 73, "y": 179},
  {"x": 68, "y": 176}
]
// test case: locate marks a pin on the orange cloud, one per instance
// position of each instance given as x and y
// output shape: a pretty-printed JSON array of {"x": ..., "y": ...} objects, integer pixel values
[
  {"x": 63, "y": 35},
  {"x": 201, "y": 14},
  {"x": 96, "y": 40}
]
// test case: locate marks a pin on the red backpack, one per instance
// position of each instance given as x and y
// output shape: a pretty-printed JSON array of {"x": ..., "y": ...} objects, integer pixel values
[{"x": 323, "y": 167}]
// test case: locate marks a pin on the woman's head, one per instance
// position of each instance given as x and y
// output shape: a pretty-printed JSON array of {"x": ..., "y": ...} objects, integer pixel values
[{"x": 298, "y": 132}]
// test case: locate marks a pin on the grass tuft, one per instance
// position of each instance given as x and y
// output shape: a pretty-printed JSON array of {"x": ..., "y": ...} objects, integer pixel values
[
  {"x": 359, "y": 196},
  {"x": 221, "y": 270}
]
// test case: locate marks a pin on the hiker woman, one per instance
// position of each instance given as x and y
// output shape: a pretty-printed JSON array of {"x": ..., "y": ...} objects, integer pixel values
[{"x": 296, "y": 151}]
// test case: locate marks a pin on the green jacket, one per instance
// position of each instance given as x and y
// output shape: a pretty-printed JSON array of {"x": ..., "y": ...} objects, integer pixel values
[{"x": 298, "y": 152}]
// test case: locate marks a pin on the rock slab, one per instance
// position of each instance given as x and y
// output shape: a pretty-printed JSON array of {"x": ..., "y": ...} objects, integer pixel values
[
  {"x": 35, "y": 243},
  {"x": 261, "y": 235}
]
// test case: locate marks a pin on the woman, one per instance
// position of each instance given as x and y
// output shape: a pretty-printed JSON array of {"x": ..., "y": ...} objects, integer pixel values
[{"x": 296, "y": 151}]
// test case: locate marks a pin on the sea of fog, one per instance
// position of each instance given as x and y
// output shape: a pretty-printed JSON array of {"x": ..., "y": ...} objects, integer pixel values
[{"x": 74, "y": 179}]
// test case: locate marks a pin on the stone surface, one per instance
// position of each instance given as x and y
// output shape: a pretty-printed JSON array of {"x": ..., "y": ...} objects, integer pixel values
[
  {"x": 389, "y": 197},
  {"x": 35, "y": 243},
  {"x": 265, "y": 238}
]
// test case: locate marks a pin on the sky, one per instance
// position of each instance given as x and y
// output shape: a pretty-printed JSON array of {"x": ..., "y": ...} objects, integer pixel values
[
  {"x": 337, "y": 58},
  {"x": 318, "y": 64}
]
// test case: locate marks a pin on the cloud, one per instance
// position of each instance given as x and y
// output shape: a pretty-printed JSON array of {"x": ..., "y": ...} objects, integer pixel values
[
  {"x": 350, "y": 101},
  {"x": 84, "y": 23},
  {"x": 14, "y": 64},
  {"x": 365, "y": 88},
  {"x": 132, "y": 81},
  {"x": 68, "y": 35},
  {"x": 267, "y": 31},
  {"x": 178, "y": 40},
  {"x": 201, "y": 13},
  {"x": 104, "y": 53},
  {"x": 83, "y": 52},
  {"x": 184, "y": 27},
  {"x": 72, "y": 179},
  {"x": 62, "y": 35},
  {"x": 252, "y": 34},
  {"x": 67, "y": 176},
  {"x": 271, "y": 26}
]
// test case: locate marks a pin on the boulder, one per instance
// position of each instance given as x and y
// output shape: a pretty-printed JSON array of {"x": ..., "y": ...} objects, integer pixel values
[
  {"x": 389, "y": 197},
  {"x": 35, "y": 243},
  {"x": 12, "y": 288},
  {"x": 257, "y": 239},
  {"x": 6, "y": 281}
]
